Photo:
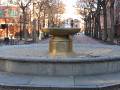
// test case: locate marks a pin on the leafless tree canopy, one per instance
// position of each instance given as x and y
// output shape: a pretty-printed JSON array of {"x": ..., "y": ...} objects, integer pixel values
[{"x": 93, "y": 17}]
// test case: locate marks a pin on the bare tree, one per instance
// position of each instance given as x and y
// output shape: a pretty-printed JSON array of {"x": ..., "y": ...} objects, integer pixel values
[
  {"x": 51, "y": 8},
  {"x": 86, "y": 10},
  {"x": 23, "y": 4},
  {"x": 101, "y": 8},
  {"x": 105, "y": 33},
  {"x": 54, "y": 9}
]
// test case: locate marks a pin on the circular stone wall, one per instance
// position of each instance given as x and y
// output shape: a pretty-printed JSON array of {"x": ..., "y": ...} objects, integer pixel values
[{"x": 34, "y": 59}]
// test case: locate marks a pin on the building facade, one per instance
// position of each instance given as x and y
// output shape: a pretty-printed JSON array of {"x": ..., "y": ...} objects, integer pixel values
[{"x": 8, "y": 18}]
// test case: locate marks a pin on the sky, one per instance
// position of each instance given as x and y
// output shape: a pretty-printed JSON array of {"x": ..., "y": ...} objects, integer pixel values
[
  {"x": 69, "y": 9},
  {"x": 5, "y": 2}
]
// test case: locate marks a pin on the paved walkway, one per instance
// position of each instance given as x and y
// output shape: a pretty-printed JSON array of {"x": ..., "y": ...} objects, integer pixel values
[{"x": 79, "y": 38}]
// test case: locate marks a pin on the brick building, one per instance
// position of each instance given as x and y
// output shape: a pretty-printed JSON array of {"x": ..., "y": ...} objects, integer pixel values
[{"x": 8, "y": 18}]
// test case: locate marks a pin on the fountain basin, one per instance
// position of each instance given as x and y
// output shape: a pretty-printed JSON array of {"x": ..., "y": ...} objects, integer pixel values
[
  {"x": 61, "y": 41},
  {"x": 61, "y": 31},
  {"x": 35, "y": 60}
]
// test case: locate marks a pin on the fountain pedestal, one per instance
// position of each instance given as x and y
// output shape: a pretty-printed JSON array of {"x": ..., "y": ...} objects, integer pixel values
[
  {"x": 60, "y": 45},
  {"x": 61, "y": 40}
]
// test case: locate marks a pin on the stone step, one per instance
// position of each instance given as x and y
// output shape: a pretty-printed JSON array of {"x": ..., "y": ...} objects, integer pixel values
[{"x": 12, "y": 81}]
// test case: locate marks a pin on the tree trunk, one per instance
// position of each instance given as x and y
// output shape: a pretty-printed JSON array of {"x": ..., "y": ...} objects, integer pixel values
[
  {"x": 90, "y": 24},
  {"x": 112, "y": 23},
  {"x": 44, "y": 19},
  {"x": 24, "y": 25},
  {"x": 99, "y": 27},
  {"x": 21, "y": 27},
  {"x": 105, "y": 22},
  {"x": 96, "y": 28},
  {"x": 34, "y": 32},
  {"x": 98, "y": 16},
  {"x": 39, "y": 27},
  {"x": 87, "y": 27},
  {"x": 93, "y": 27}
]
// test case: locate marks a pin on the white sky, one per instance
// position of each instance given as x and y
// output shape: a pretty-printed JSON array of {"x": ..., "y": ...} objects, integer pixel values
[{"x": 69, "y": 9}]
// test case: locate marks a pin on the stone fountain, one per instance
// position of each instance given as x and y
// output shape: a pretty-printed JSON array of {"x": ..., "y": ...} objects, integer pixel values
[
  {"x": 61, "y": 40},
  {"x": 63, "y": 66}
]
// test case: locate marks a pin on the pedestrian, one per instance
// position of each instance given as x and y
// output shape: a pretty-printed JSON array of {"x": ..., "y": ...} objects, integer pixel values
[
  {"x": 72, "y": 23},
  {"x": 6, "y": 40}
]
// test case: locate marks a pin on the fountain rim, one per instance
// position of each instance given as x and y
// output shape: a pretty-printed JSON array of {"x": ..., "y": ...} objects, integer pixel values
[
  {"x": 61, "y": 31},
  {"x": 60, "y": 60},
  {"x": 59, "y": 28}
]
